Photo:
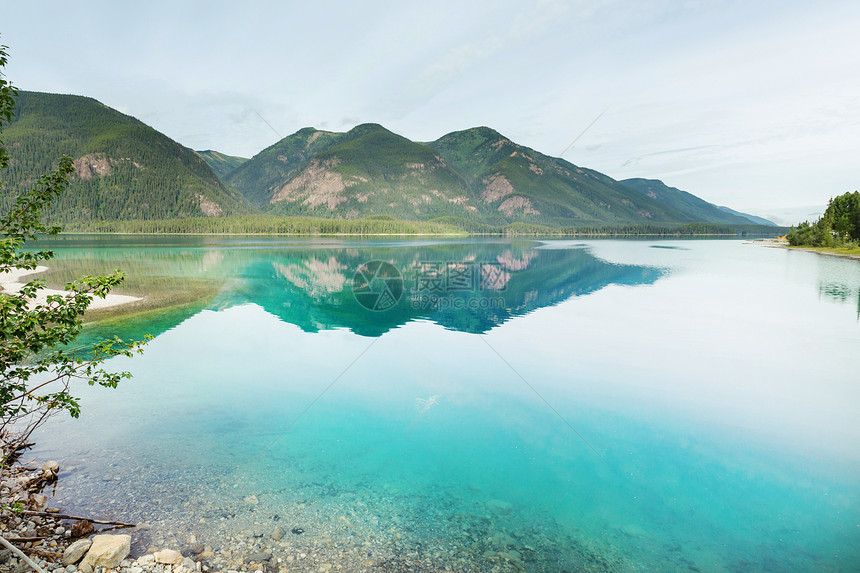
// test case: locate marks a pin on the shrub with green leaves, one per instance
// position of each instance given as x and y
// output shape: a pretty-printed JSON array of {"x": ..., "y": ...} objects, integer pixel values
[{"x": 38, "y": 360}]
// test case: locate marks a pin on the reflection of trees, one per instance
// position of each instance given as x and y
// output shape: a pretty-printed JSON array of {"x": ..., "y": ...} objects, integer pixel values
[{"x": 840, "y": 292}]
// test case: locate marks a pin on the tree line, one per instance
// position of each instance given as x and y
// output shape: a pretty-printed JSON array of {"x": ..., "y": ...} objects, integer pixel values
[{"x": 839, "y": 226}]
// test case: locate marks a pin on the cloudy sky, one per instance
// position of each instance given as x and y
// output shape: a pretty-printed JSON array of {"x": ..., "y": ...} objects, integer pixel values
[{"x": 750, "y": 104}]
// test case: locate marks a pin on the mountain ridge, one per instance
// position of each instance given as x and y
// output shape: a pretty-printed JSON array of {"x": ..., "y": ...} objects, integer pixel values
[
  {"x": 474, "y": 178},
  {"x": 124, "y": 169},
  {"x": 696, "y": 206},
  {"x": 475, "y": 174}
]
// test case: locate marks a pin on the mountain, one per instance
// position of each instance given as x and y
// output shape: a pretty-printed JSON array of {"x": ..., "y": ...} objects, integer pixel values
[
  {"x": 221, "y": 163},
  {"x": 698, "y": 208},
  {"x": 476, "y": 175},
  {"x": 511, "y": 181},
  {"x": 753, "y": 218},
  {"x": 124, "y": 168},
  {"x": 475, "y": 179},
  {"x": 366, "y": 171}
]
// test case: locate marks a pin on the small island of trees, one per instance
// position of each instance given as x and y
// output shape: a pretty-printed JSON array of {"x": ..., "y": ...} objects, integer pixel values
[{"x": 839, "y": 226}]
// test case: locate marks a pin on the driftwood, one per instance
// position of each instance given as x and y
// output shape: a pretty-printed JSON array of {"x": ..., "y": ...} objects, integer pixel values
[
  {"x": 24, "y": 539},
  {"x": 64, "y": 516},
  {"x": 21, "y": 554},
  {"x": 43, "y": 553}
]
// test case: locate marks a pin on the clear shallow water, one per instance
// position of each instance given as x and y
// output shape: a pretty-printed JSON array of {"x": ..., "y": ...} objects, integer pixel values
[{"x": 600, "y": 405}]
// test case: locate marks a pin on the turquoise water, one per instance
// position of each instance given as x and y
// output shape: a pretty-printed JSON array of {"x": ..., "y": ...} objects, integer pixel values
[{"x": 597, "y": 405}]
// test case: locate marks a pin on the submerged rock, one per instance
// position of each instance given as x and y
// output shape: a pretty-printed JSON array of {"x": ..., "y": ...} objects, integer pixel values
[
  {"x": 499, "y": 507},
  {"x": 257, "y": 557},
  {"x": 168, "y": 557},
  {"x": 81, "y": 528}
]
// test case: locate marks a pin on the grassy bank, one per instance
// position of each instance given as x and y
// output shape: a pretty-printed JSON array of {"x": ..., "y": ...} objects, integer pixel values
[{"x": 853, "y": 252}]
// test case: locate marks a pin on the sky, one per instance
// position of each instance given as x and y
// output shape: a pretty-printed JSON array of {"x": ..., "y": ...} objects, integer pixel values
[{"x": 750, "y": 104}]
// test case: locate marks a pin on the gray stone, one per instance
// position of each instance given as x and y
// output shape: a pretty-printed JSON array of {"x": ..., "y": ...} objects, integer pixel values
[
  {"x": 107, "y": 551},
  {"x": 85, "y": 568},
  {"x": 71, "y": 569},
  {"x": 257, "y": 557},
  {"x": 76, "y": 551},
  {"x": 251, "y": 500},
  {"x": 189, "y": 564},
  {"x": 277, "y": 534}
]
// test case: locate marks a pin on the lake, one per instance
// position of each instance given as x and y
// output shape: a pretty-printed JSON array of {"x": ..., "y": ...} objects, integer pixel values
[{"x": 475, "y": 404}]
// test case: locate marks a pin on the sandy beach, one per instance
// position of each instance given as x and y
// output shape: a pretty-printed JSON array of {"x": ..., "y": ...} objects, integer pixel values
[{"x": 11, "y": 282}]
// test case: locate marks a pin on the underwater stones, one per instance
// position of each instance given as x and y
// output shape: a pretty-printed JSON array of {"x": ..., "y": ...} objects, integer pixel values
[
  {"x": 258, "y": 557},
  {"x": 499, "y": 507},
  {"x": 251, "y": 500},
  {"x": 168, "y": 557},
  {"x": 277, "y": 534},
  {"x": 107, "y": 551},
  {"x": 297, "y": 531},
  {"x": 76, "y": 551},
  {"x": 501, "y": 539}
]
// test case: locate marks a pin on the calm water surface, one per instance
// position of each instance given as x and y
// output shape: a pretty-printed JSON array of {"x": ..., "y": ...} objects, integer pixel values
[{"x": 525, "y": 405}]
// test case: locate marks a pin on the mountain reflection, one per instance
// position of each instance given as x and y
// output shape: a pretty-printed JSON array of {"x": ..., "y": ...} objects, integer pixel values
[{"x": 470, "y": 287}]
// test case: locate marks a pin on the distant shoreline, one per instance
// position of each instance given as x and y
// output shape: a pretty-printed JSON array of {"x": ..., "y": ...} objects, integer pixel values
[
  {"x": 783, "y": 244},
  {"x": 419, "y": 235}
]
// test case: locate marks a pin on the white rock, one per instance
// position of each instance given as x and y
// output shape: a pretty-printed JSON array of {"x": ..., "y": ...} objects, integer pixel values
[
  {"x": 251, "y": 500},
  {"x": 168, "y": 557},
  {"x": 189, "y": 564},
  {"x": 76, "y": 551},
  {"x": 107, "y": 551},
  {"x": 146, "y": 560}
]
